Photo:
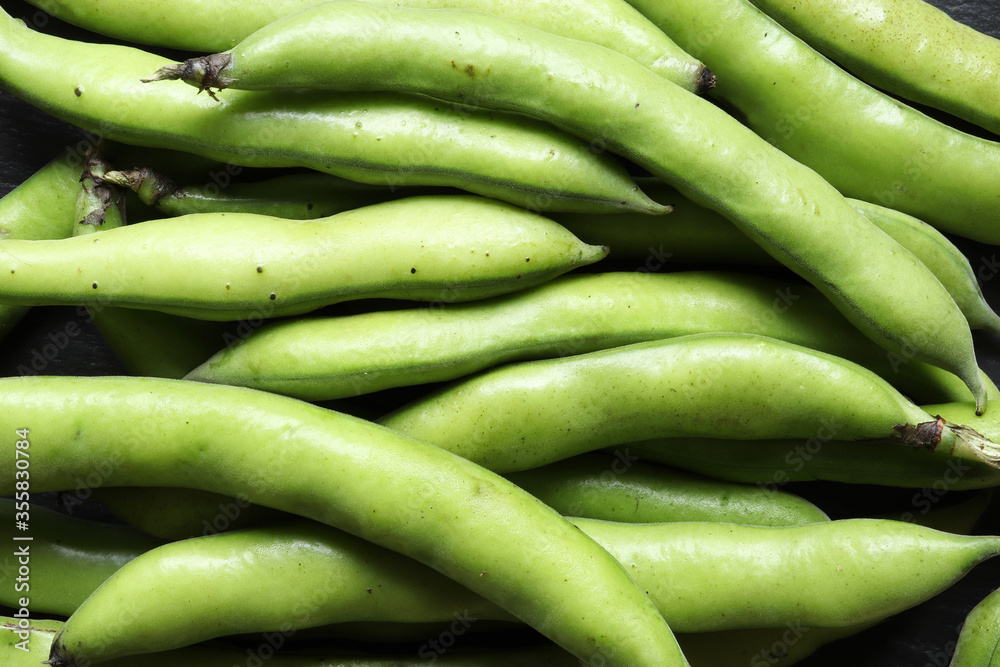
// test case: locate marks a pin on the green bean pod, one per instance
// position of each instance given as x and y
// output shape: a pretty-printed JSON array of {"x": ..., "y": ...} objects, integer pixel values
[
  {"x": 882, "y": 151},
  {"x": 383, "y": 139},
  {"x": 221, "y": 25},
  {"x": 335, "y": 357},
  {"x": 979, "y": 641},
  {"x": 240, "y": 266},
  {"x": 40, "y": 208},
  {"x": 693, "y": 234},
  {"x": 908, "y": 47},
  {"x": 625, "y": 489},
  {"x": 693, "y": 145},
  {"x": 69, "y": 557},
  {"x": 299, "y": 196},
  {"x": 702, "y": 577},
  {"x": 395, "y": 491},
  {"x": 738, "y": 386}
]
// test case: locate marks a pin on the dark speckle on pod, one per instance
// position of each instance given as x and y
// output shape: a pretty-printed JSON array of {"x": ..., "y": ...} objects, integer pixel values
[{"x": 260, "y": 269}]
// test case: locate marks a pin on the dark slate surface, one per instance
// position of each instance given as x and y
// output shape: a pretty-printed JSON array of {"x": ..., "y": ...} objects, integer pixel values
[{"x": 921, "y": 637}]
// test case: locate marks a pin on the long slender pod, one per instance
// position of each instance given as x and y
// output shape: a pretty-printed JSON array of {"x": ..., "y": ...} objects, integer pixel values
[
  {"x": 738, "y": 386},
  {"x": 702, "y": 577},
  {"x": 883, "y": 151},
  {"x": 239, "y": 266},
  {"x": 472, "y": 525},
  {"x": 333, "y": 357},
  {"x": 908, "y": 47},
  {"x": 217, "y": 26},
  {"x": 373, "y": 138},
  {"x": 599, "y": 94}
]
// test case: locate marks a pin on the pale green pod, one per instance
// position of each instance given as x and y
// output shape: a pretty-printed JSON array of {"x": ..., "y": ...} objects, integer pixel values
[
  {"x": 400, "y": 493},
  {"x": 908, "y": 47},
  {"x": 604, "y": 97},
  {"x": 867, "y": 144},
  {"x": 323, "y": 358},
  {"x": 238, "y": 266},
  {"x": 217, "y": 26},
  {"x": 390, "y": 140},
  {"x": 738, "y": 386},
  {"x": 979, "y": 641},
  {"x": 702, "y": 576}
]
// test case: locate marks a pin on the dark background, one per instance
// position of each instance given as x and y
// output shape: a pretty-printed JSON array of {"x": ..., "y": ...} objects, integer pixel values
[{"x": 919, "y": 637}]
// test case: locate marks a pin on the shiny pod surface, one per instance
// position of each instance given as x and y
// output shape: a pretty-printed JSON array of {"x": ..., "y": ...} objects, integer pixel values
[
  {"x": 738, "y": 386},
  {"x": 217, "y": 26},
  {"x": 602, "y": 96},
  {"x": 397, "y": 492},
  {"x": 236, "y": 266},
  {"x": 373, "y": 138}
]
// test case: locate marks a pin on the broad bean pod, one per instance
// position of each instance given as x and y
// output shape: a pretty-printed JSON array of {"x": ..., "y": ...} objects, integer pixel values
[
  {"x": 395, "y": 491},
  {"x": 240, "y": 266},
  {"x": 979, "y": 641},
  {"x": 325, "y": 358},
  {"x": 738, "y": 386},
  {"x": 217, "y": 26},
  {"x": 908, "y": 47},
  {"x": 599, "y": 94},
  {"x": 883, "y": 151},
  {"x": 701, "y": 576},
  {"x": 373, "y": 138}
]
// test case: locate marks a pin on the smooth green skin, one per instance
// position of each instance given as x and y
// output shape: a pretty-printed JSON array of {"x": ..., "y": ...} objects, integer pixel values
[
  {"x": 703, "y": 576},
  {"x": 40, "y": 208},
  {"x": 865, "y": 143},
  {"x": 401, "y": 140},
  {"x": 738, "y": 386},
  {"x": 774, "y": 463},
  {"x": 43, "y": 632},
  {"x": 334, "y": 357},
  {"x": 169, "y": 513},
  {"x": 622, "y": 488},
  {"x": 784, "y": 206},
  {"x": 217, "y": 26},
  {"x": 241, "y": 266},
  {"x": 400, "y": 493},
  {"x": 69, "y": 558},
  {"x": 908, "y": 47},
  {"x": 979, "y": 641}
]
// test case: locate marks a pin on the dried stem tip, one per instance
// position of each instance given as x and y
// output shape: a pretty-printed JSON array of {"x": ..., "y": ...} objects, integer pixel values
[{"x": 204, "y": 73}]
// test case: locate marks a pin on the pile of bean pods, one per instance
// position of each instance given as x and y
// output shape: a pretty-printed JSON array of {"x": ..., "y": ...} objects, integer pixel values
[{"x": 616, "y": 333}]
